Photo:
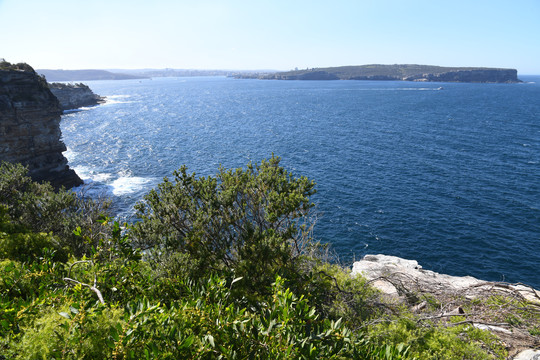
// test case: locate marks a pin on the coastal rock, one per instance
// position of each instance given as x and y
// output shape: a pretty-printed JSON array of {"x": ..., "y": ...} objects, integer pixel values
[
  {"x": 395, "y": 277},
  {"x": 30, "y": 126},
  {"x": 74, "y": 96},
  {"x": 528, "y": 355}
]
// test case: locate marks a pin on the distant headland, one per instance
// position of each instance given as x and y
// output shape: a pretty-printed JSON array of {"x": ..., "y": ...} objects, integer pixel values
[
  {"x": 86, "y": 75},
  {"x": 405, "y": 72}
]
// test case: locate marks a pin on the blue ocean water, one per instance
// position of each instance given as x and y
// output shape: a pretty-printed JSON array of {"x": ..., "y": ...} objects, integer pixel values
[{"x": 449, "y": 177}]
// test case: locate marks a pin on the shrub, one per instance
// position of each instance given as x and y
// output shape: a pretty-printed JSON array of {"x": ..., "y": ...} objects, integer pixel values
[
  {"x": 428, "y": 341},
  {"x": 38, "y": 208},
  {"x": 70, "y": 332},
  {"x": 19, "y": 243},
  {"x": 251, "y": 223}
]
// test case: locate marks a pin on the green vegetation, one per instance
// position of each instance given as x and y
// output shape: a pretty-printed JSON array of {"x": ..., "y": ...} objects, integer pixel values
[
  {"x": 4, "y": 65},
  {"x": 217, "y": 267},
  {"x": 68, "y": 86}
]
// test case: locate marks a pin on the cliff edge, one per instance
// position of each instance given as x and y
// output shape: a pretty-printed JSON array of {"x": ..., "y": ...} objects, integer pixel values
[
  {"x": 74, "y": 96},
  {"x": 30, "y": 126}
]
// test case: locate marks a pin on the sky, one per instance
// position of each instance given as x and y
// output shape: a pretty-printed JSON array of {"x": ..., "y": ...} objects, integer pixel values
[{"x": 269, "y": 34}]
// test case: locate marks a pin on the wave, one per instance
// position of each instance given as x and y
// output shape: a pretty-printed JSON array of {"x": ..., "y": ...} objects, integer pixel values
[
  {"x": 70, "y": 154},
  {"x": 118, "y": 96},
  {"x": 100, "y": 184},
  {"x": 111, "y": 102},
  {"x": 90, "y": 176},
  {"x": 117, "y": 99},
  {"x": 128, "y": 184}
]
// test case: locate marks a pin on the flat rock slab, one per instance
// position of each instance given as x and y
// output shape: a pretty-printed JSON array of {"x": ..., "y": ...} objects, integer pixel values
[
  {"x": 528, "y": 355},
  {"x": 395, "y": 276}
]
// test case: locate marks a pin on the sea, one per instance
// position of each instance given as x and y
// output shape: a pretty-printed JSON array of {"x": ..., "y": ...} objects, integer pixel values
[{"x": 447, "y": 174}]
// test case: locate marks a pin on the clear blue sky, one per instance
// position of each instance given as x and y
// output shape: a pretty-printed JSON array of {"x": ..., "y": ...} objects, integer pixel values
[{"x": 269, "y": 34}]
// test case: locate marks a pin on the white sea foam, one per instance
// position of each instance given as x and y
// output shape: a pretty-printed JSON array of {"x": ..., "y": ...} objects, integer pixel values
[
  {"x": 111, "y": 102},
  {"x": 89, "y": 176},
  {"x": 82, "y": 171},
  {"x": 127, "y": 185},
  {"x": 118, "y": 96},
  {"x": 70, "y": 154},
  {"x": 117, "y": 99}
]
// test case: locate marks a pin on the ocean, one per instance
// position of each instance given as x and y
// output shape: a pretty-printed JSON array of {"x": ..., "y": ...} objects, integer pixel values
[{"x": 444, "y": 173}]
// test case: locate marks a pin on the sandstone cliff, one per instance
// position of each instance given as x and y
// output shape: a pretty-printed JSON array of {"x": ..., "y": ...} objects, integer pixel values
[
  {"x": 74, "y": 96},
  {"x": 30, "y": 126}
]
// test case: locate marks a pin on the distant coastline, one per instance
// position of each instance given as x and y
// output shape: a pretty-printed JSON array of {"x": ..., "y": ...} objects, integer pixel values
[
  {"x": 397, "y": 72},
  {"x": 85, "y": 75},
  {"x": 407, "y": 72}
]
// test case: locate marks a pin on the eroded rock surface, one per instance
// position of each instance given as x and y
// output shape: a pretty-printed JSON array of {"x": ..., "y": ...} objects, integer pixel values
[
  {"x": 392, "y": 274},
  {"x": 30, "y": 126},
  {"x": 74, "y": 96}
]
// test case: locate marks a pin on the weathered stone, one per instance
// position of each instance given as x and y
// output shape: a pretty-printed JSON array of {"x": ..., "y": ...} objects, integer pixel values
[
  {"x": 528, "y": 354},
  {"x": 30, "y": 127},
  {"x": 74, "y": 96},
  {"x": 394, "y": 276}
]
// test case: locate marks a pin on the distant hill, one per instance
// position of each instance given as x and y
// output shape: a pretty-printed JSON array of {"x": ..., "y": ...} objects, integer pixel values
[
  {"x": 399, "y": 72},
  {"x": 169, "y": 72},
  {"x": 85, "y": 75}
]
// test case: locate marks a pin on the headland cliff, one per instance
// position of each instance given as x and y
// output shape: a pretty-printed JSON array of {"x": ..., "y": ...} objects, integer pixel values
[{"x": 30, "y": 126}]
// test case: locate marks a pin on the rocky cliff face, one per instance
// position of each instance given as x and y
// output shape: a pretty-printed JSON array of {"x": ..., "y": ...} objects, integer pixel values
[
  {"x": 30, "y": 126},
  {"x": 73, "y": 96}
]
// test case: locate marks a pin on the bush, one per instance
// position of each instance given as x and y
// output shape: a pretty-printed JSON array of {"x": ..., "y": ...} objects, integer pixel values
[
  {"x": 428, "y": 341},
  {"x": 336, "y": 294},
  {"x": 38, "y": 208},
  {"x": 70, "y": 332},
  {"x": 19, "y": 243},
  {"x": 251, "y": 223}
]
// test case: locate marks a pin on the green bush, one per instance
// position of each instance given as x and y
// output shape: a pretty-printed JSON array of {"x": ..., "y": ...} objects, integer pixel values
[
  {"x": 19, "y": 243},
  {"x": 40, "y": 209},
  {"x": 251, "y": 223},
  {"x": 336, "y": 294},
  {"x": 427, "y": 341},
  {"x": 70, "y": 332},
  {"x": 206, "y": 323},
  {"x": 228, "y": 270}
]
